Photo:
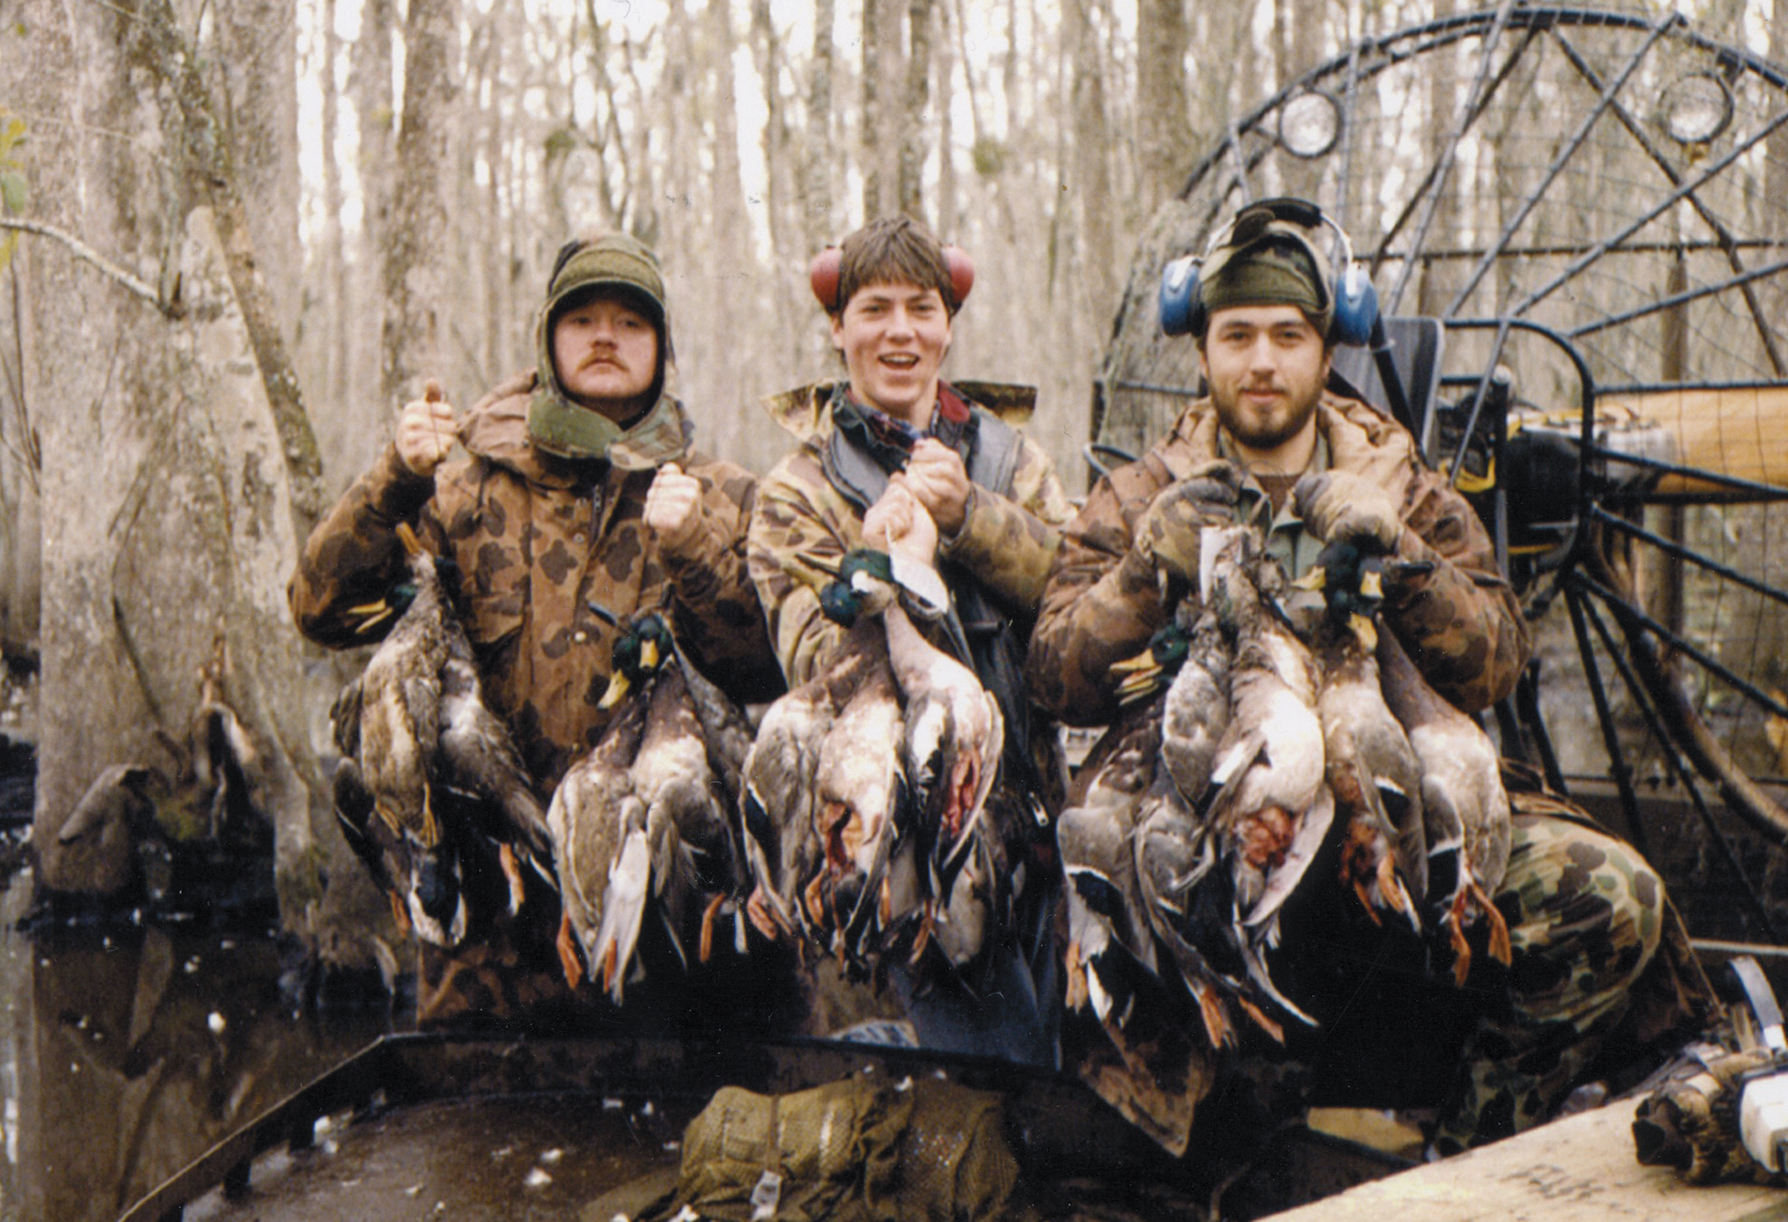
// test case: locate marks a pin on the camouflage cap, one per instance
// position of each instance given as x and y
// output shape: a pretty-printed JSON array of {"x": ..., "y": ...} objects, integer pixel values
[
  {"x": 1268, "y": 260},
  {"x": 613, "y": 260}
]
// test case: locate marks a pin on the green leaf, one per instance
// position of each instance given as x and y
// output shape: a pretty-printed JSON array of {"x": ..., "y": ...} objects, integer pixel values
[{"x": 14, "y": 191}]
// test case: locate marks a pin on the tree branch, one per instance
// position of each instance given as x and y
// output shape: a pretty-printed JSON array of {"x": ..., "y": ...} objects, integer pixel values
[{"x": 82, "y": 251}]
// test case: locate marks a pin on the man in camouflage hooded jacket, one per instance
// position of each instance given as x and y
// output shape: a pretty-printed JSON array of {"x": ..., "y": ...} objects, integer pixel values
[
  {"x": 894, "y": 426},
  {"x": 1584, "y": 911},
  {"x": 579, "y": 502}
]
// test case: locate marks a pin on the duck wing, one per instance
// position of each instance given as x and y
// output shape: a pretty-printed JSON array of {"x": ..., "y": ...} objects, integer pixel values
[
  {"x": 1376, "y": 779},
  {"x": 1108, "y": 936},
  {"x": 779, "y": 832},
  {"x": 1465, "y": 809},
  {"x": 584, "y": 820},
  {"x": 1195, "y": 712}
]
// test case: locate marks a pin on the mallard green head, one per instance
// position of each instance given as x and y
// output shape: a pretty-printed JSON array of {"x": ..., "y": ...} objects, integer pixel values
[
  {"x": 638, "y": 653},
  {"x": 862, "y": 576},
  {"x": 1151, "y": 669}
]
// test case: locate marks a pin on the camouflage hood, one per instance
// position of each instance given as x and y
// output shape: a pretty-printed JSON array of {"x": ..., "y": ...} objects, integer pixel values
[{"x": 621, "y": 264}]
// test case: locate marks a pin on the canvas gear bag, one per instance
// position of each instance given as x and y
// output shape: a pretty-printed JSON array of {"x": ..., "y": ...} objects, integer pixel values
[{"x": 862, "y": 1149}]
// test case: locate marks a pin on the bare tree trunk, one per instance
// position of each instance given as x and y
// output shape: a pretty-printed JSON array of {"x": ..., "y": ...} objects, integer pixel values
[
  {"x": 914, "y": 134},
  {"x": 1299, "y": 46},
  {"x": 1098, "y": 271},
  {"x": 335, "y": 362},
  {"x": 415, "y": 245},
  {"x": 883, "y": 87},
  {"x": 1439, "y": 280},
  {"x": 719, "y": 277},
  {"x": 168, "y": 525},
  {"x": 818, "y": 212},
  {"x": 1163, "y": 131},
  {"x": 786, "y": 238},
  {"x": 197, "y": 129},
  {"x": 948, "y": 219},
  {"x": 258, "y": 66}
]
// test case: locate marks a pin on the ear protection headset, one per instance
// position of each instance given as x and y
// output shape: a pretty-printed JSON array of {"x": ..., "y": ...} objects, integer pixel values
[
  {"x": 828, "y": 265},
  {"x": 1353, "y": 301}
]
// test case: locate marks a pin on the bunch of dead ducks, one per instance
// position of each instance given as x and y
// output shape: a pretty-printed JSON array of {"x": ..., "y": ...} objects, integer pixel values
[
  {"x": 431, "y": 792},
  {"x": 1259, "y": 724},
  {"x": 871, "y": 823},
  {"x": 859, "y": 819},
  {"x": 863, "y": 820}
]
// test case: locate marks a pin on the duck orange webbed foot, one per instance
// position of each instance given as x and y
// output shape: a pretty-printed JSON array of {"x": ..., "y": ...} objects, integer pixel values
[
  {"x": 706, "y": 947},
  {"x": 568, "y": 956}
]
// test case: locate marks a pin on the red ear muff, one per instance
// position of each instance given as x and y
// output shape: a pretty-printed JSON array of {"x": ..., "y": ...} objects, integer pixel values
[
  {"x": 827, "y": 266},
  {"x": 962, "y": 273},
  {"x": 823, "y": 273}
]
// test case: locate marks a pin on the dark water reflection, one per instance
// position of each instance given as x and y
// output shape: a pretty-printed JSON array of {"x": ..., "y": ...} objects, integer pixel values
[{"x": 127, "y": 1052}]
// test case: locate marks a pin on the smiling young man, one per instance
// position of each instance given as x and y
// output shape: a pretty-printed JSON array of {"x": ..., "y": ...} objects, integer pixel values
[
  {"x": 578, "y": 502},
  {"x": 894, "y": 429},
  {"x": 1274, "y": 442}
]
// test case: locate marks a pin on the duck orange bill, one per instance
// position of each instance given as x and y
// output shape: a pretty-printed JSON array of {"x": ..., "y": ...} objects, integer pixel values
[
  {"x": 1363, "y": 628},
  {"x": 406, "y": 535},
  {"x": 615, "y": 692},
  {"x": 374, "y": 614}
]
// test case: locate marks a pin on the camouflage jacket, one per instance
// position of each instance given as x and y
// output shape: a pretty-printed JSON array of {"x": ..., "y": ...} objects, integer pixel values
[
  {"x": 1460, "y": 623},
  {"x": 553, "y": 554},
  {"x": 802, "y": 520}
]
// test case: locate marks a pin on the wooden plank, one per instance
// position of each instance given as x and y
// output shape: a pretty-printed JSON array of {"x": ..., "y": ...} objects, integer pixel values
[
  {"x": 1739, "y": 432},
  {"x": 1579, "y": 1169}
]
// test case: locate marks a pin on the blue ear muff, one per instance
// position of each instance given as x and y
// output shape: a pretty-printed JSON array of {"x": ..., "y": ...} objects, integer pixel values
[
  {"x": 1181, "y": 310},
  {"x": 1356, "y": 308}
]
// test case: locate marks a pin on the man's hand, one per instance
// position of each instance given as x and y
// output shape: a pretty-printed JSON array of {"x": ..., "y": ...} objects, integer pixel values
[
  {"x": 426, "y": 430},
  {"x": 935, "y": 475},
  {"x": 1169, "y": 534},
  {"x": 1341, "y": 505},
  {"x": 899, "y": 522},
  {"x": 674, "y": 508}
]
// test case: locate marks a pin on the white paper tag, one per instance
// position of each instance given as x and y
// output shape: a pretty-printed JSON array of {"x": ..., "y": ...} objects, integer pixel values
[{"x": 766, "y": 1196}]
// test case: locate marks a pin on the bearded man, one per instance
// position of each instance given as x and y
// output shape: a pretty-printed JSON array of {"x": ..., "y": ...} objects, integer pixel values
[{"x": 1275, "y": 441}]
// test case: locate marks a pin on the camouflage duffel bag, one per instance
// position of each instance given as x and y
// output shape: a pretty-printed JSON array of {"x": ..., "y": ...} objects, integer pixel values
[{"x": 862, "y": 1149}]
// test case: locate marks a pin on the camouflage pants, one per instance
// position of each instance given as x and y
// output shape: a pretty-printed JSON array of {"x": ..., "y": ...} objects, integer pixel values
[
  {"x": 507, "y": 976},
  {"x": 1585, "y": 914}
]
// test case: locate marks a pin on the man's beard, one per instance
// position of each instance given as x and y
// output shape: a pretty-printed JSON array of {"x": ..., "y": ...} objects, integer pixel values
[{"x": 1249, "y": 428}]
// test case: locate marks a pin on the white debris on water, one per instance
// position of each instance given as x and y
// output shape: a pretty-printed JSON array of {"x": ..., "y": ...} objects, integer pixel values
[
  {"x": 537, "y": 1178},
  {"x": 552, "y": 1156},
  {"x": 611, "y": 1105},
  {"x": 215, "y": 1021},
  {"x": 502, "y": 1153},
  {"x": 192, "y": 965}
]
